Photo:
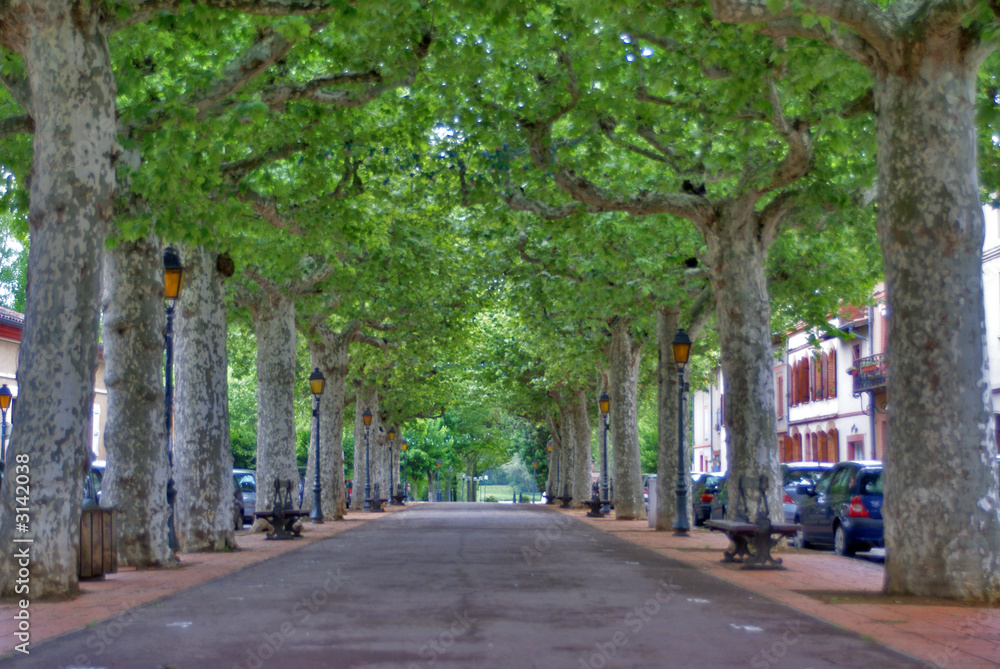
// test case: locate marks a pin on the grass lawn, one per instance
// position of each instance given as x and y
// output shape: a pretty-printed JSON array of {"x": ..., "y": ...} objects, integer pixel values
[{"x": 503, "y": 493}]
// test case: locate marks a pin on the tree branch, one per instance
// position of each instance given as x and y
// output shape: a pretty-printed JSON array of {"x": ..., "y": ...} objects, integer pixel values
[
  {"x": 16, "y": 125},
  {"x": 870, "y": 42},
  {"x": 518, "y": 202}
]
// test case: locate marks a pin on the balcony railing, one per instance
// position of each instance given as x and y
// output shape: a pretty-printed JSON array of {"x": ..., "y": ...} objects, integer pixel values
[{"x": 869, "y": 373}]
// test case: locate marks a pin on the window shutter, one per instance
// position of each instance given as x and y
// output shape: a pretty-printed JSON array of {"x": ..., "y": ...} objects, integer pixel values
[
  {"x": 831, "y": 377},
  {"x": 793, "y": 388},
  {"x": 833, "y": 444}
]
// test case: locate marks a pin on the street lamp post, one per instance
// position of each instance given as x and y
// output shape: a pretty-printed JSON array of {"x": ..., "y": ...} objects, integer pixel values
[
  {"x": 5, "y": 397},
  {"x": 605, "y": 404},
  {"x": 550, "y": 497},
  {"x": 392, "y": 492},
  {"x": 682, "y": 349},
  {"x": 173, "y": 281},
  {"x": 367, "y": 418},
  {"x": 402, "y": 456},
  {"x": 534, "y": 479},
  {"x": 437, "y": 482},
  {"x": 316, "y": 382}
]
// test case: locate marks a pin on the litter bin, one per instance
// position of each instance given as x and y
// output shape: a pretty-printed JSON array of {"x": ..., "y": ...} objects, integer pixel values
[
  {"x": 651, "y": 503},
  {"x": 97, "y": 553}
]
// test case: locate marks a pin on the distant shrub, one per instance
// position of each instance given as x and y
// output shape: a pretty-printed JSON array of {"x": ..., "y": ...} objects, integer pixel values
[{"x": 491, "y": 498}]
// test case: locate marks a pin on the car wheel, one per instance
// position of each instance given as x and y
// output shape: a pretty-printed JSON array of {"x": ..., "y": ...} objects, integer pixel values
[{"x": 840, "y": 544}]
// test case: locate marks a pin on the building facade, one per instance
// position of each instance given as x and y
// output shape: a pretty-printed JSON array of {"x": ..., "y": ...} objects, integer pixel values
[
  {"x": 11, "y": 327},
  {"x": 829, "y": 384}
]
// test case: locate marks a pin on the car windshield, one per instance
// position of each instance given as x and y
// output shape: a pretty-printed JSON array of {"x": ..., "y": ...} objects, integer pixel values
[
  {"x": 247, "y": 483},
  {"x": 712, "y": 481},
  {"x": 802, "y": 476},
  {"x": 871, "y": 482}
]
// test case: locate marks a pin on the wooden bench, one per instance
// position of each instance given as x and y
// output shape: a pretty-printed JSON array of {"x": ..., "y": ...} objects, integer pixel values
[
  {"x": 283, "y": 517},
  {"x": 753, "y": 541}
]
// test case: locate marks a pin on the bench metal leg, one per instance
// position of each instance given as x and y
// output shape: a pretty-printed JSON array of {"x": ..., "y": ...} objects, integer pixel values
[{"x": 738, "y": 549}]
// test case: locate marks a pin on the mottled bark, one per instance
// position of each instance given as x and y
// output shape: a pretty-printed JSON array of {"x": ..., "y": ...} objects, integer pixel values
[
  {"x": 274, "y": 325},
  {"x": 668, "y": 410},
  {"x": 624, "y": 359},
  {"x": 135, "y": 481},
  {"x": 203, "y": 457},
  {"x": 329, "y": 351},
  {"x": 940, "y": 432},
  {"x": 72, "y": 185},
  {"x": 367, "y": 398},
  {"x": 736, "y": 255},
  {"x": 582, "y": 453}
]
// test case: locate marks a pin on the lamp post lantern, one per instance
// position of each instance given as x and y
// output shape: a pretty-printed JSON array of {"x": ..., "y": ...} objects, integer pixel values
[
  {"x": 5, "y": 397},
  {"x": 173, "y": 281},
  {"x": 682, "y": 349},
  {"x": 367, "y": 418},
  {"x": 316, "y": 383},
  {"x": 605, "y": 404}
]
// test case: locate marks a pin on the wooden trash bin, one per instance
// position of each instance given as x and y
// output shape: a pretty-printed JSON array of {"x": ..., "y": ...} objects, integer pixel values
[{"x": 98, "y": 551}]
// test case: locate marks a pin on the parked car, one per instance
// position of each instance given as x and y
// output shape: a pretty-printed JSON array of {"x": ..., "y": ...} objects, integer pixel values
[
  {"x": 92, "y": 484},
  {"x": 797, "y": 474},
  {"x": 843, "y": 509},
  {"x": 704, "y": 487},
  {"x": 246, "y": 479}
]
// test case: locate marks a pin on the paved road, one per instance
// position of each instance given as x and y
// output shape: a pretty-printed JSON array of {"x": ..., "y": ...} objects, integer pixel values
[{"x": 464, "y": 585}]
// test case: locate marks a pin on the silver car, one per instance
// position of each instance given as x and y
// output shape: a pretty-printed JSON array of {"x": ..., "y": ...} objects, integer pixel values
[{"x": 246, "y": 479}]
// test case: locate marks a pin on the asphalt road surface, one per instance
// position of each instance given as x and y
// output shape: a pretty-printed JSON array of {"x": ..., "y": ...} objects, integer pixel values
[{"x": 470, "y": 586}]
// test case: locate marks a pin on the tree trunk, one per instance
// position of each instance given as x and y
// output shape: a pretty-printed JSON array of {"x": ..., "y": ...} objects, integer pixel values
[
  {"x": 330, "y": 352},
  {"x": 941, "y": 440},
  {"x": 72, "y": 188},
  {"x": 668, "y": 410},
  {"x": 736, "y": 256},
  {"x": 582, "y": 453},
  {"x": 624, "y": 363},
  {"x": 203, "y": 457},
  {"x": 274, "y": 325},
  {"x": 552, "y": 456},
  {"x": 135, "y": 481},
  {"x": 557, "y": 460},
  {"x": 367, "y": 398}
]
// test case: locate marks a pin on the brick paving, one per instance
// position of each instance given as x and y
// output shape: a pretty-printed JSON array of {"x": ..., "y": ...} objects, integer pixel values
[{"x": 843, "y": 591}]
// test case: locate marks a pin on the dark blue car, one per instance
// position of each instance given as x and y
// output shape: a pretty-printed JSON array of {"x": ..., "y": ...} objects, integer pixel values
[{"x": 843, "y": 509}]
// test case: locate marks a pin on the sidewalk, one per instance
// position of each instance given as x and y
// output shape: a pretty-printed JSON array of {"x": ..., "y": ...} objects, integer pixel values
[{"x": 844, "y": 591}]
